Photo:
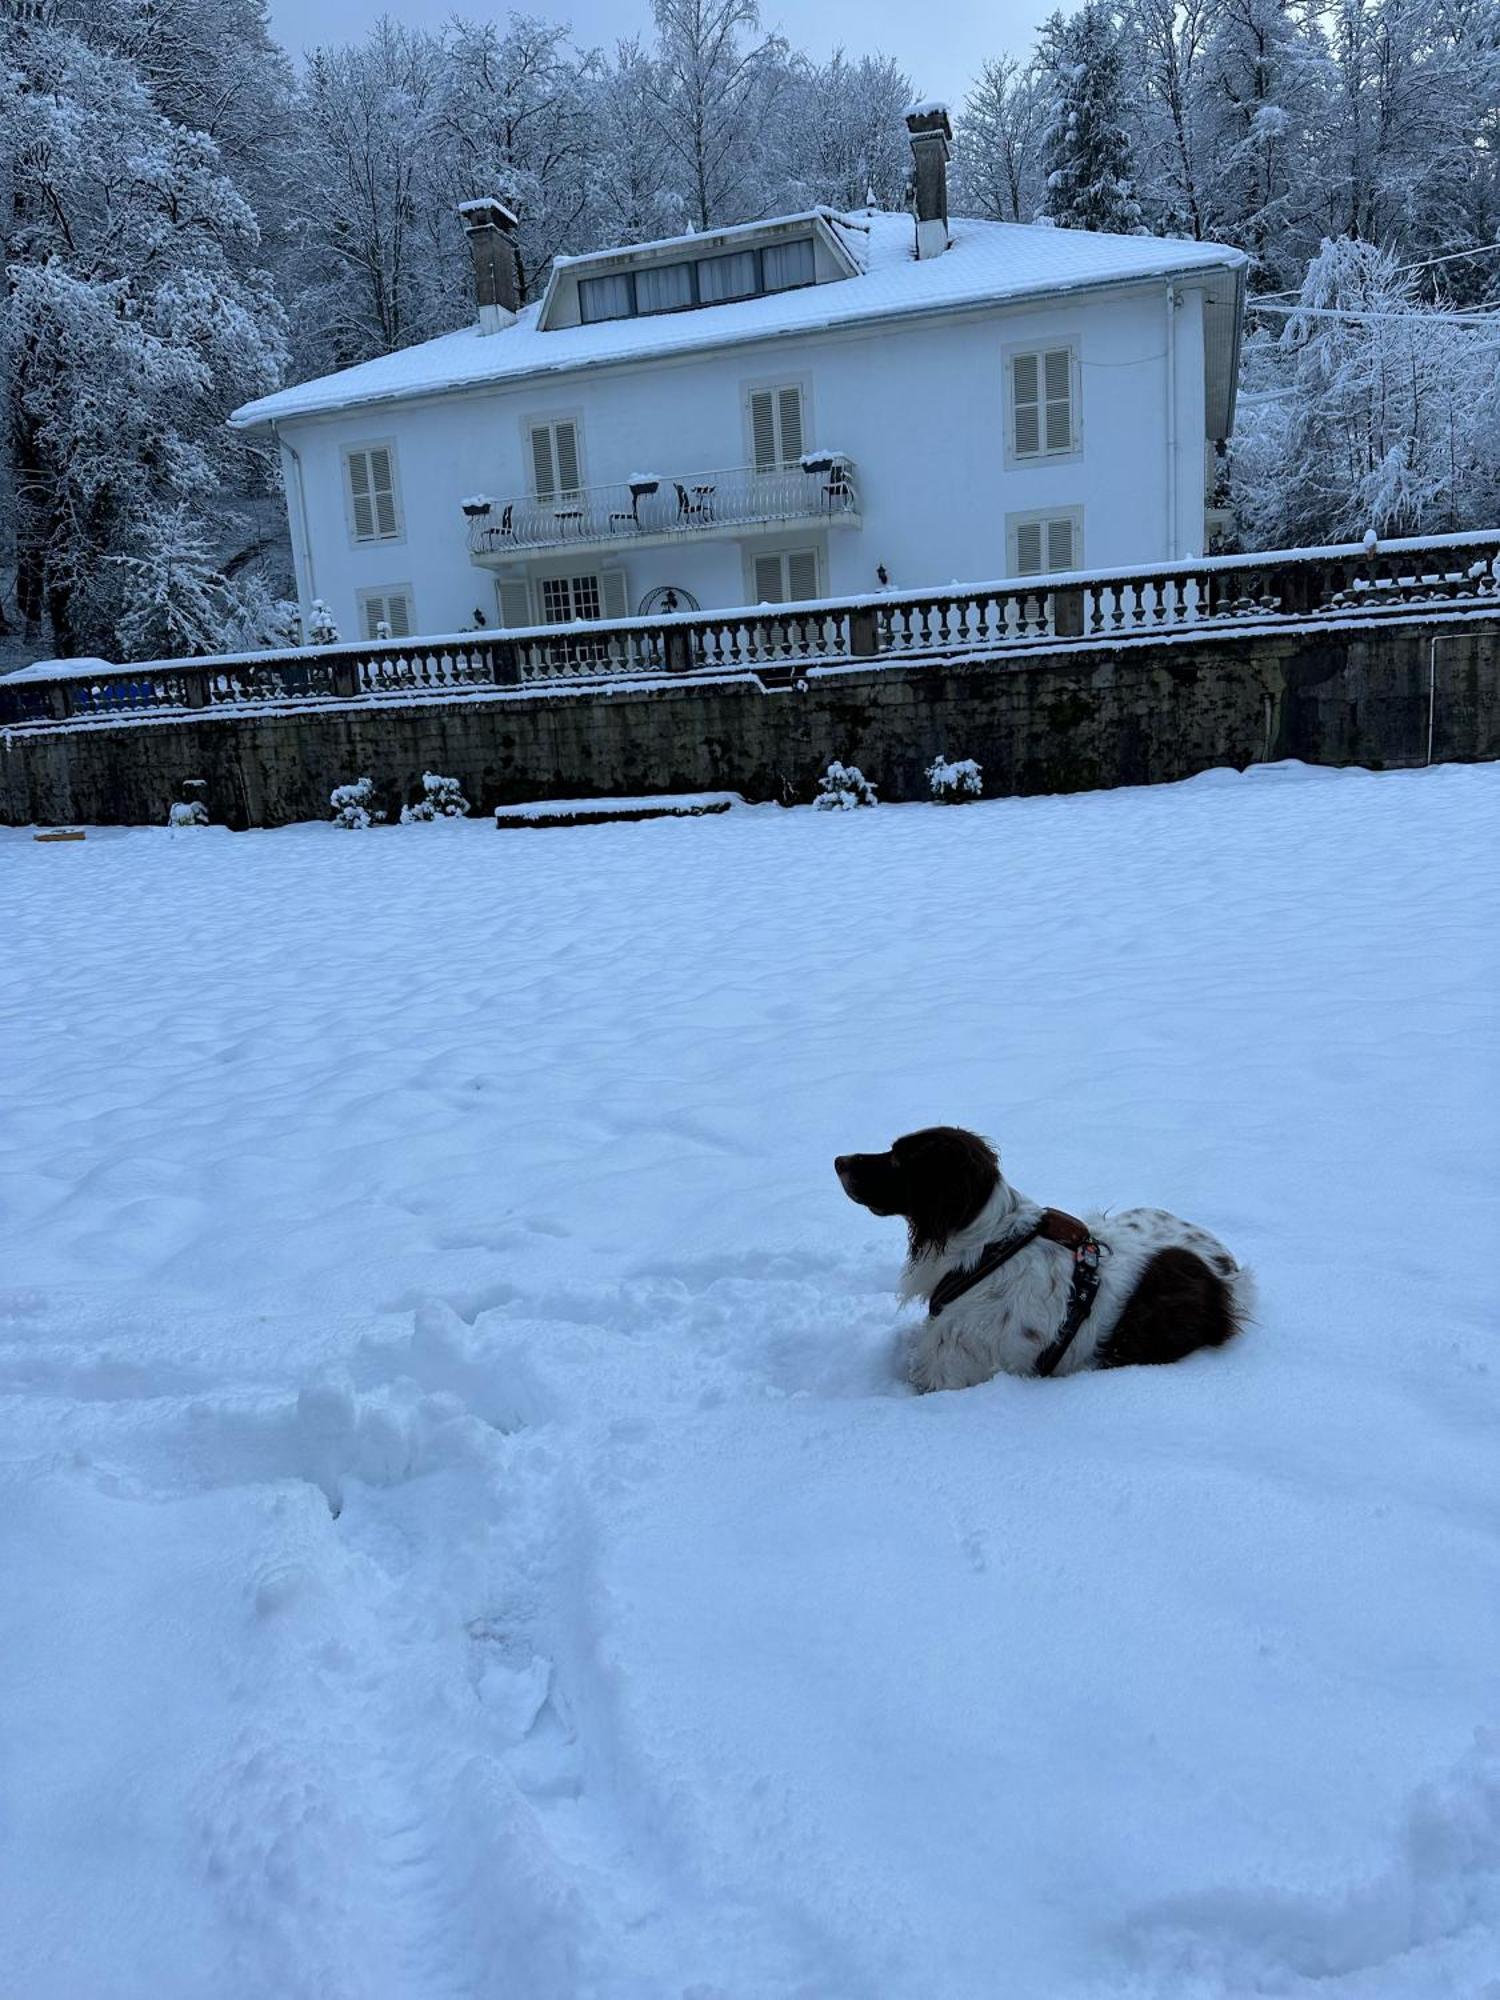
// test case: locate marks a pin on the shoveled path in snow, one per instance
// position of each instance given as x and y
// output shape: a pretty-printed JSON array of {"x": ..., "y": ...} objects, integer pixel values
[{"x": 463, "y": 1529}]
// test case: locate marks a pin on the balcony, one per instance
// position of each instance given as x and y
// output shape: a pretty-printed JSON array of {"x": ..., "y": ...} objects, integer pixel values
[{"x": 651, "y": 510}]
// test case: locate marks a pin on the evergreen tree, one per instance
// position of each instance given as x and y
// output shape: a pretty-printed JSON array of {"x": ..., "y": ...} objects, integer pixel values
[{"x": 1086, "y": 148}]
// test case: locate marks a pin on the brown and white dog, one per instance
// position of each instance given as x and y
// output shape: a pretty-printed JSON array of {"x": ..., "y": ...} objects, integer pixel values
[{"x": 1152, "y": 1289}]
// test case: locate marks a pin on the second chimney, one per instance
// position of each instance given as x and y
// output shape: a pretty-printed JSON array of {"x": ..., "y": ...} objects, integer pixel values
[
  {"x": 491, "y": 229},
  {"x": 931, "y": 136}
]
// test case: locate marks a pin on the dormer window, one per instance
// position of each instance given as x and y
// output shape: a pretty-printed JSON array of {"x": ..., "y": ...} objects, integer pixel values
[
  {"x": 733, "y": 277},
  {"x": 647, "y": 288},
  {"x": 787, "y": 264},
  {"x": 663, "y": 288},
  {"x": 606, "y": 298}
]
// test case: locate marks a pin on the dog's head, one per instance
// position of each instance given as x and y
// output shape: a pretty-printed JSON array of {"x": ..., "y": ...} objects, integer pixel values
[{"x": 938, "y": 1180}]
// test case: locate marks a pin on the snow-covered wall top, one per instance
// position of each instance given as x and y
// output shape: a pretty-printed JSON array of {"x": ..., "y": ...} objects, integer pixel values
[{"x": 989, "y": 263}]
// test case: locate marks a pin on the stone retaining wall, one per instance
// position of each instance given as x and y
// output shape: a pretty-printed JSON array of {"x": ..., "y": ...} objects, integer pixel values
[{"x": 1100, "y": 716}]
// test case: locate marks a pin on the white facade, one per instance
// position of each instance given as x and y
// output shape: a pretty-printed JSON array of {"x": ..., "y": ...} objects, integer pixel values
[{"x": 982, "y": 421}]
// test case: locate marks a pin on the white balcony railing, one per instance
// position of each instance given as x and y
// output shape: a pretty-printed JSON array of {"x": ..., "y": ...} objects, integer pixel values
[{"x": 665, "y": 507}]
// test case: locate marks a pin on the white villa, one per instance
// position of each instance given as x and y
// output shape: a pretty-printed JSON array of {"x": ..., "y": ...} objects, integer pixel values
[{"x": 815, "y": 406}]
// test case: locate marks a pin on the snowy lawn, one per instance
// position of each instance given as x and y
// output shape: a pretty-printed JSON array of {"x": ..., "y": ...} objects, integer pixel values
[{"x": 463, "y": 1532}]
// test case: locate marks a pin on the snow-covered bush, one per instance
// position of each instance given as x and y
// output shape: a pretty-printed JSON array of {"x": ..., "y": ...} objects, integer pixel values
[
  {"x": 188, "y": 812},
  {"x": 354, "y": 805},
  {"x": 321, "y": 629},
  {"x": 952, "y": 783},
  {"x": 441, "y": 799},
  {"x": 842, "y": 787}
]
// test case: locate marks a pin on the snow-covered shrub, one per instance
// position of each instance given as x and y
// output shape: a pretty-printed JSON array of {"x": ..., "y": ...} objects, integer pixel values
[
  {"x": 354, "y": 805},
  {"x": 321, "y": 630},
  {"x": 441, "y": 799},
  {"x": 842, "y": 787},
  {"x": 952, "y": 783},
  {"x": 188, "y": 812}
]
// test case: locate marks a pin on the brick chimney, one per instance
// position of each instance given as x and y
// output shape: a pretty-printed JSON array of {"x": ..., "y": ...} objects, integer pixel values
[
  {"x": 491, "y": 229},
  {"x": 931, "y": 136}
]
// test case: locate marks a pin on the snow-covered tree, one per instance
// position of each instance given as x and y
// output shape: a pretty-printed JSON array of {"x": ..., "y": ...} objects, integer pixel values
[
  {"x": 442, "y": 798},
  {"x": 354, "y": 805},
  {"x": 998, "y": 162},
  {"x": 133, "y": 320},
  {"x": 955, "y": 781},
  {"x": 716, "y": 82},
  {"x": 840, "y": 135},
  {"x": 1378, "y": 425},
  {"x": 1086, "y": 146}
]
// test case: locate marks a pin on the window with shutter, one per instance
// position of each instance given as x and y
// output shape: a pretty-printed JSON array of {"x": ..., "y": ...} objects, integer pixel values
[
  {"x": 1041, "y": 402},
  {"x": 768, "y": 580},
  {"x": 515, "y": 601},
  {"x": 801, "y": 575},
  {"x": 554, "y": 460},
  {"x": 786, "y": 579},
  {"x": 388, "y": 608},
  {"x": 776, "y": 427},
  {"x": 1043, "y": 543},
  {"x": 613, "y": 594},
  {"x": 373, "y": 511}
]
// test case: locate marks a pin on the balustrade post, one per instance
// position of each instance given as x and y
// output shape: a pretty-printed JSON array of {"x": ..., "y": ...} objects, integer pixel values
[
  {"x": 195, "y": 687},
  {"x": 864, "y": 633},
  {"x": 678, "y": 648},
  {"x": 346, "y": 679},
  {"x": 1067, "y": 613},
  {"x": 60, "y": 700}
]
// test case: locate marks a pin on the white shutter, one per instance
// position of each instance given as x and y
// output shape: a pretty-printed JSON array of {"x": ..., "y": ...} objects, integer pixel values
[
  {"x": 763, "y": 429},
  {"x": 768, "y": 582},
  {"x": 383, "y": 488},
  {"x": 1057, "y": 369},
  {"x": 789, "y": 413},
  {"x": 554, "y": 460},
  {"x": 1026, "y": 405},
  {"x": 515, "y": 601},
  {"x": 1060, "y": 543},
  {"x": 544, "y": 475},
  {"x": 398, "y": 614},
  {"x": 613, "y": 600},
  {"x": 374, "y": 610},
  {"x": 801, "y": 575},
  {"x": 372, "y": 494},
  {"x": 361, "y": 503},
  {"x": 1029, "y": 549}
]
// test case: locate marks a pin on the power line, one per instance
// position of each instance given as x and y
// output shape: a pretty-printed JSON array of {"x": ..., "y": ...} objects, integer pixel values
[
  {"x": 1434, "y": 316},
  {"x": 1421, "y": 264}
]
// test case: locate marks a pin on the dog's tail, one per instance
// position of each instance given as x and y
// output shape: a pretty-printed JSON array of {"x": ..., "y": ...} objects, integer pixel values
[{"x": 1244, "y": 1298}]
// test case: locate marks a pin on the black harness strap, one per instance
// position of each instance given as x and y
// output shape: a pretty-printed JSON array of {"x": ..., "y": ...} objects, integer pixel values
[{"x": 1055, "y": 1227}]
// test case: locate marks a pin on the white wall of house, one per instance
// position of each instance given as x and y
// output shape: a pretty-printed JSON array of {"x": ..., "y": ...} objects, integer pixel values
[{"x": 922, "y": 407}]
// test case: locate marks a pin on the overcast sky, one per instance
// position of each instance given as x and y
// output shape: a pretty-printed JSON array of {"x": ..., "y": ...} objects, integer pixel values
[{"x": 941, "y": 43}]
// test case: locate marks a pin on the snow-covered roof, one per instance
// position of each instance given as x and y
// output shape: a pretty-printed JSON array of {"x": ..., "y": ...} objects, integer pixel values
[{"x": 988, "y": 263}]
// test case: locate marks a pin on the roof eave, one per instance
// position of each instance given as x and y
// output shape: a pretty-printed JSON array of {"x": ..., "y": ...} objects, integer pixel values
[{"x": 1235, "y": 264}]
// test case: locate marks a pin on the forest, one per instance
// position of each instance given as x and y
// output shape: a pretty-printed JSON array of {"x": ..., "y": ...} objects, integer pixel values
[{"x": 192, "y": 218}]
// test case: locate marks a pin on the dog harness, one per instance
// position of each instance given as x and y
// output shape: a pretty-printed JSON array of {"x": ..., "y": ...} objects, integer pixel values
[{"x": 1055, "y": 1226}]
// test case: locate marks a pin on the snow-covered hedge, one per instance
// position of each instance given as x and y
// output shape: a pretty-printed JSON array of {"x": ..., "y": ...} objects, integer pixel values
[
  {"x": 354, "y": 805},
  {"x": 441, "y": 799},
  {"x": 842, "y": 787},
  {"x": 951, "y": 783}
]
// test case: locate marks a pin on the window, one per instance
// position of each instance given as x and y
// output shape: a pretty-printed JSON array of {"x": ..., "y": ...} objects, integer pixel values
[
  {"x": 515, "y": 601},
  {"x": 664, "y": 288},
  {"x": 733, "y": 277},
  {"x": 776, "y": 427},
  {"x": 605, "y": 298},
  {"x": 788, "y": 264},
  {"x": 389, "y": 608},
  {"x": 599, "y": 594},
  {"x": 1041, "y": 403},
  {"x": 786, "y": 578},
  {"x": 1042, "y": 543},
  {"x": 554, "y": 460},
  {"x": 374, "y": 515}
]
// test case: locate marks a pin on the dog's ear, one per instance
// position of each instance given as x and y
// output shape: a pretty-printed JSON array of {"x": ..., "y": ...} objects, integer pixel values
[{"x": 947, "y": 1176}]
